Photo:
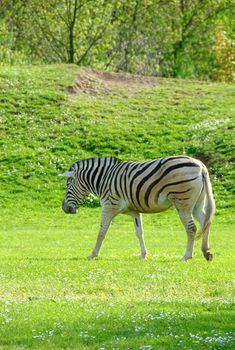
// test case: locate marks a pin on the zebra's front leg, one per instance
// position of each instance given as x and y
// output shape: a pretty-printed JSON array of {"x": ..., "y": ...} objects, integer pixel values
[
  {"x": 137, "y": 220},
  {"x": 106, "y": 219}
]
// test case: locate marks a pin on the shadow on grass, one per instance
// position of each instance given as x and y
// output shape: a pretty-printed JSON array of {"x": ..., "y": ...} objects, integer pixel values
[
  {"x": 106, "y": 325},
  {"x": 119, "y": 259},
  {"x": 52, "y": 259}
]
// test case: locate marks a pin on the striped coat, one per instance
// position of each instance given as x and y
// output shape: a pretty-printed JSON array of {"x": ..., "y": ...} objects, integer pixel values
[{"x": 144, "y": 187}]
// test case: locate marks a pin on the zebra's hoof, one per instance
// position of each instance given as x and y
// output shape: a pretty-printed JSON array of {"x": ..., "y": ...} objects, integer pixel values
[
  {"x": 185, "y": 258},
  {"x": 91, "y": 256},
  {"x": 209, "y": 256},
  {"x": 142, "y": 256}
]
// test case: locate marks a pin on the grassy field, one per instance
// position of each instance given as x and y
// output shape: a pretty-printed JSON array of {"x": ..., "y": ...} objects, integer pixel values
[{"x": 51, "y": 297}]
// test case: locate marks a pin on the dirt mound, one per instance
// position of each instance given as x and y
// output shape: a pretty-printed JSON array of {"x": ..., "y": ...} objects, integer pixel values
[{"x": 91, "y": 81}]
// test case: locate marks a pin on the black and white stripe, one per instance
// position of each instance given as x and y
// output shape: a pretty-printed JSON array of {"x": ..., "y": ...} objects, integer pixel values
[{"x": 144, "y": 187}]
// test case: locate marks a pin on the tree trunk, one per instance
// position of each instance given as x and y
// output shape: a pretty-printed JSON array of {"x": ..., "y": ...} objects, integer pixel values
[{"x": 71, "y": 45}]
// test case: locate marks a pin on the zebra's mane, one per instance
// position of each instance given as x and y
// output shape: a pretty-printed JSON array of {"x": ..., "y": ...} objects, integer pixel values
[{"x": 79, "y": 161}]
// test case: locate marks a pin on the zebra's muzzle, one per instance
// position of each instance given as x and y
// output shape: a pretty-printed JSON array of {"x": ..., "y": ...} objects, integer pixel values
[{"x": 68, "y": 209}]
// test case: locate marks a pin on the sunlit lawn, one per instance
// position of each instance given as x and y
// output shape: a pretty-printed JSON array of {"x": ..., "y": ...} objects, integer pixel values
[{"x": 53, "y": 298}]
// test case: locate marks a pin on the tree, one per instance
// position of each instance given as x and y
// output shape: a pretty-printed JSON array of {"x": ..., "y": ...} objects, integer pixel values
[
  {"x": 58, "y": 31},
  {"x": 192, "y": 50},
  {"x": 224, "y": 51},
  {"x": 151, "y": 37}
]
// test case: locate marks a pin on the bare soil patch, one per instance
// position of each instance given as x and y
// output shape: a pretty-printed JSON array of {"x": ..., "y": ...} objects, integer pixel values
[{"x": 91, "y": 81}]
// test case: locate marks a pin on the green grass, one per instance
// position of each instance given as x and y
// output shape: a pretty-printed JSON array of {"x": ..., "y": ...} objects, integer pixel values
[
  {"x": 51, "y": 297},
  {"x": 43, "y": 130}
]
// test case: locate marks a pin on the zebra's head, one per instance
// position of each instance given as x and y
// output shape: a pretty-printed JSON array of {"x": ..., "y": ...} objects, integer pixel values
[{"x": 75, "y": 193}]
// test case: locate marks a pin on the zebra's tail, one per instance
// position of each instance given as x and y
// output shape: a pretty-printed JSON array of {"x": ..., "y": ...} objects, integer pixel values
[{"x": 210, "y": 204}]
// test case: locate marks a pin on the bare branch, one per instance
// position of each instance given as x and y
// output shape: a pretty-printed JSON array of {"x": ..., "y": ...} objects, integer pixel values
[
  {"x": 54, "y": 42},
  {"x": 97, "y": 36}
]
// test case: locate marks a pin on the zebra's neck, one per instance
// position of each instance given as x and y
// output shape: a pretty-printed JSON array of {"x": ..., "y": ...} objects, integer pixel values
[{"x": 94, "y": 173}]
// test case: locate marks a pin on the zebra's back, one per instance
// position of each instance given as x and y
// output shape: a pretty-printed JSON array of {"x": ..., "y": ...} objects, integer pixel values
[{"x": 151, "y": 186}]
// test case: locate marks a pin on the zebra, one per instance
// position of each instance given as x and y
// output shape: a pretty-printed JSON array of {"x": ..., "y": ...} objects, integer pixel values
[{"x": 134, "y": 188}]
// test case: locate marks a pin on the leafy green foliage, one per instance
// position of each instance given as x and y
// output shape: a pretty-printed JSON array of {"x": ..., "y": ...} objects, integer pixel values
[
  {"x": 160, "y": 38},
  {"x": 8, "y": 53},
  {"x": 225, "y": 56}
]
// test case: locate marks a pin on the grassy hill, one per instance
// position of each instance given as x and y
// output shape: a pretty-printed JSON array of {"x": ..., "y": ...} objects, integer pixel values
[{"x": 50, "y": 116}]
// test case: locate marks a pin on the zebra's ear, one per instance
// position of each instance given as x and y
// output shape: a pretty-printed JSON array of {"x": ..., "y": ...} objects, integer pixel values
[{"x": 68, "y": 174}]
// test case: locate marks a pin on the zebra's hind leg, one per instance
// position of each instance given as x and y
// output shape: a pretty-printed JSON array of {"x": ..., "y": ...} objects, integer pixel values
[
  {"x": 199, "y": 214},
  {"x": 191, "y": 229},
  {"x": 137, "y": 220},
  {"x": 106, "y": 219}
]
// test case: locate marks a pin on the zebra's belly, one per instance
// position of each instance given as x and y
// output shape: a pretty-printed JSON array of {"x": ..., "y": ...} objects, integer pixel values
[
  {"x": 156, "y": 209},
  {"x": 161, "y": 204}
]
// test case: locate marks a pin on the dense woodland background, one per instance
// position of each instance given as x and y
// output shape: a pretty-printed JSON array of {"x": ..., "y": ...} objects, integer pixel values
[{"x": 169, "y": 38}]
